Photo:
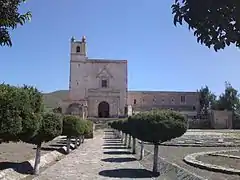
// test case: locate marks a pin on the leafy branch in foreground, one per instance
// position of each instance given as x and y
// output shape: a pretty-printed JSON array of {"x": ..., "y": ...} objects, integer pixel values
[
  {"x": 216, "y": 23},
  {"x": 10, "y": 18}
]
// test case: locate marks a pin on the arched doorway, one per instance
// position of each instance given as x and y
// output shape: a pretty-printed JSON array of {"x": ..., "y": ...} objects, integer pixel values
[
  {"x": 74, "y": 109},
  {"x": 103, "y": 110}
]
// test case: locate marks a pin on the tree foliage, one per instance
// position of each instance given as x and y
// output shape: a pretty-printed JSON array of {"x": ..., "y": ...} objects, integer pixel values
[
  {"x": 216, "y": 23},
  {"x": 229, "y": 100},
  {"x": 88, "y": 130},
  {"x": 10, "y": 18},
  {"x": 153, "y": 126},
  {"x": 158, "y": 126},
  {"x": 73, "y": 126},
  {"x": 49, "y": 127},
  {"x": 11, "y": 109},
  {"x": 207, "y": 100}
]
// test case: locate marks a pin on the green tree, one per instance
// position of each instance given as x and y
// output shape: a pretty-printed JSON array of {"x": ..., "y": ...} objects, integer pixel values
[
  {"x": 49, "y": 127},
  {"x": 37, "y": 127},
  {"x": 10, "y": 18},
  {"x": 73, "y": 126},
  {"x": 157, "y": 127},
  {"x": 229, "y": 100},
  {"x": 207, "y": 100},
  {"x": 57, "y": 110},
  {"x": 13, "y": 102},
  {"x": 216, "y": 23}
]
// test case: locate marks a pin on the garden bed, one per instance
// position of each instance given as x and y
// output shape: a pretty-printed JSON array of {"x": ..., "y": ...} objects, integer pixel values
[
  {"x": 15, "y": 154},
  {"x": 220, "y": 161}
]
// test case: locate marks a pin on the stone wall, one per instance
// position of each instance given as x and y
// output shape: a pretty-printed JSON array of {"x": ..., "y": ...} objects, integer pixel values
[{"x": 147, "y": 100}]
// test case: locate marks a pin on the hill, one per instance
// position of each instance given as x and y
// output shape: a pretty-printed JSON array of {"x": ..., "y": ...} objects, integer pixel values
[{"x": 52, "y": 99}]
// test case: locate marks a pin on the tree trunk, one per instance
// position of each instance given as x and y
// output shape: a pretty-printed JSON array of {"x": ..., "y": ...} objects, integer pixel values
[
  {"x": 122, "y": 137},
  {"x": 129, "y": 141},
  {"x": 83, "y": 139},
  {"x": 68, "y": 144},
  {"x": 119, "y": 134},
  {"x": 37, "y": 159},
  {"x": 134, "y": 146},
  {"x": 155, "y": 159},
  {"x": 142, "y": 150},
  {"x": 125, "y": 140},
  {"x": 79, "y": 140},
  {"x": 76, "y": 142}
]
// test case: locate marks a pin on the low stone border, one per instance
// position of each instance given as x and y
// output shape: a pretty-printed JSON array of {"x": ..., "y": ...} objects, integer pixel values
[
  {"x": 226, "y": 155},
  {"x": 195, "y": 145},
  {"x": 191, "y": 159},
  {"x": 47, "y": 158},
  {"x": 167, "y": 168}
]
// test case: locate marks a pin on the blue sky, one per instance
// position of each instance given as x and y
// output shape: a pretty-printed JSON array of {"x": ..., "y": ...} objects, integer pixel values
[{"x": 160, "y": 56}]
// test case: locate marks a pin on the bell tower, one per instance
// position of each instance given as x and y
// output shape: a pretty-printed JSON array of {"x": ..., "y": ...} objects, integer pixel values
[{"x": 78, "y": 49}]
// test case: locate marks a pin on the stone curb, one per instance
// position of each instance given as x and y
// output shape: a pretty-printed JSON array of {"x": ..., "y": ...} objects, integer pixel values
[
  {"x": 10, "y": 174},
  {"x": 191, "y": 159},
  {"x": 226, "y": 155},
  {"x": 181, "y": 173},
  {"x": 195, "y": 145}
]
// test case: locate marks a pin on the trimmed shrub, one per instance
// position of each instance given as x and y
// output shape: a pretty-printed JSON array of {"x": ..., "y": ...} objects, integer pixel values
[
  {"x": 157, "y": 127},
  {"x": 50, "y": 127},
  {"x": 89, "y": 129},
  {"x": 73, "y": 126}
]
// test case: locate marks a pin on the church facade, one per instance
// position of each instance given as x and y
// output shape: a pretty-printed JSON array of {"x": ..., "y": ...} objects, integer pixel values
[{"x": 99, "y": 88}]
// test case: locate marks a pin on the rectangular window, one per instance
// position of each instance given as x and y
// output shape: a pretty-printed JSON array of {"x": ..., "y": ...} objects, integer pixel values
[
  {"x": 104, "y": 83},
  {"x": 135, "y": 101},
  {"x": 183, "y": 99},
  {"x": 154, "y": 100}
]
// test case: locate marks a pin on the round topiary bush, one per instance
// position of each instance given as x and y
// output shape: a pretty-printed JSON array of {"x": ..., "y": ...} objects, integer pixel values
[
  {"x": 13, "y": 101},
  {"x": 73, "y": 126},
  {"x": 88, "y": 129},
  {"x": 157, "y": 127}
]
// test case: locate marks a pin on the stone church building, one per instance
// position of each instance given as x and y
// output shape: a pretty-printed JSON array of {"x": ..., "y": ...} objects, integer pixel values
[{"x": 99, "y": 88}]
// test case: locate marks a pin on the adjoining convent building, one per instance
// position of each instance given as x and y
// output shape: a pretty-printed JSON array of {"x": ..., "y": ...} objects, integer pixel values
[{"x": 99, "y": 88}]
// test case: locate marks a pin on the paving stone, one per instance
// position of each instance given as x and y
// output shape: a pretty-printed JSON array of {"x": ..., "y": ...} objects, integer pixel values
[{"x": 93, "y": 162}]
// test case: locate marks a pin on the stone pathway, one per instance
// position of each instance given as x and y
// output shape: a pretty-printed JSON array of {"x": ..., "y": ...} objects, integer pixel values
[{"x": 100, "y": 158}]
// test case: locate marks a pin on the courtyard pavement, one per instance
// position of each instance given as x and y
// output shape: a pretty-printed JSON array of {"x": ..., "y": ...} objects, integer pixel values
[{"x": 98, "y": 158}]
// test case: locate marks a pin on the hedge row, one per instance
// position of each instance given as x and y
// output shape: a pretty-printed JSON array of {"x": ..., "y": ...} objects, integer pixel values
[
  {"x": 22, "y": 118},
  {"x": 154, "y": 126}
]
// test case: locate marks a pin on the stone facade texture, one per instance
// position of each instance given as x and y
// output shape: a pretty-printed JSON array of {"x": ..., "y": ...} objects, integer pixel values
[{"x": 99, "y": 88}]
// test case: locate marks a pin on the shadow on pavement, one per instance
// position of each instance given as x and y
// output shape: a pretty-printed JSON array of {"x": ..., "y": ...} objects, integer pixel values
[
  {"x": 22, "y": 167},
  {"x": 108, "y": 142},
  {"x": 119, "y": 160},
  {"x": 115, "y": 147},
  {"x": 127, "y": 173},
  {"x": 117, "y": 152},
  {"x": 113, "y": 144}
]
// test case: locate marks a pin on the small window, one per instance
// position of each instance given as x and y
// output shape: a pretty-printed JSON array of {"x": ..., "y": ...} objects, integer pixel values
[
  {"x": 134, "y": 101},
  {"x": 104, "y": 83},
  {"x": 154, "y": 99},
  {"x": 163, "y": 101},
  {"x": 78, "y": 49},
  {"x": 194, "y": 108},
  {"x": 79, "y": 65},
  {"x": 183, "y": 99}
]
